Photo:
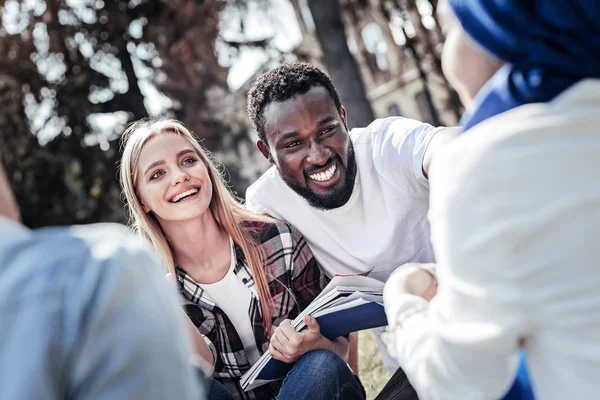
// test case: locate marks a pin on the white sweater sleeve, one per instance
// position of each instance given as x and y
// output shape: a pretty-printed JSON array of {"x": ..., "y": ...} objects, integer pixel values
[{"x": 463, "y": 345}]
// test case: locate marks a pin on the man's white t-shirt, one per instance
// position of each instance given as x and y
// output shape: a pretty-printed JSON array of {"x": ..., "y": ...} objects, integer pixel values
[
  {"x": 235, "y": 306},
  {"x": 384, "y": 224}
]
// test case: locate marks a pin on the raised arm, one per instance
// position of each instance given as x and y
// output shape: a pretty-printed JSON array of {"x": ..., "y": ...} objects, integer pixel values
[
  {"x": 437, "y": 144},
  {"x": 404, "y": 149}
]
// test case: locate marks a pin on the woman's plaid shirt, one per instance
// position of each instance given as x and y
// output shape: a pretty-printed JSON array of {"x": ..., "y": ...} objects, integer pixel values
[{"x": 295, "y": 279}]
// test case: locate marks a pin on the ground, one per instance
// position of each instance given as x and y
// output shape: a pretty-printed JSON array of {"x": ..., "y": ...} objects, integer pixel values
[{"x": 372, "y": 372}]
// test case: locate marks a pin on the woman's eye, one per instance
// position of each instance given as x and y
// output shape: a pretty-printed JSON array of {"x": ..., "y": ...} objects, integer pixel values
[
  {"x": 189, "y": 160},
  {"x": 156, "y": 174}
]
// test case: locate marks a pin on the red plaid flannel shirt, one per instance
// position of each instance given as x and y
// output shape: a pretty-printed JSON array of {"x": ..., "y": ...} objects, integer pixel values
[{"x": 294, "y": 278}]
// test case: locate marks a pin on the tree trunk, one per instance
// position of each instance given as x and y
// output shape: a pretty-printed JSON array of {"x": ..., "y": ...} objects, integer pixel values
[{"x": 340, "y": 63}]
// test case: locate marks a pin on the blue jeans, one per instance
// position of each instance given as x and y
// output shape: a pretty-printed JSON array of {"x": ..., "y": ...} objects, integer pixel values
[
  {"x": 214, "y": 389},
  {"x": 320, "y": 375},
  {"x": 217, "y": 391}
]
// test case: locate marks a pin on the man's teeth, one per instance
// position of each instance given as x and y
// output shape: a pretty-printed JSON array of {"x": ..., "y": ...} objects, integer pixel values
[
  {"x": 184, "y": 194},
  {"x": 325, "y": 175}
]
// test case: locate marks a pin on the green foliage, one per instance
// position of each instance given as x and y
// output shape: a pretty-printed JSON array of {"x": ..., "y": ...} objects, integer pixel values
[{"x": 71, "y": 78}]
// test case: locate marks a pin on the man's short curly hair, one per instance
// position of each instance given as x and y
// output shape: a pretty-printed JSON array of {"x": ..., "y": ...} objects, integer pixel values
[{"x": 283, "y": 83}]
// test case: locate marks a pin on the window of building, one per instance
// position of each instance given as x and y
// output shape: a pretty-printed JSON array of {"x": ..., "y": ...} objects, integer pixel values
[{"x": 376, "y": 45}]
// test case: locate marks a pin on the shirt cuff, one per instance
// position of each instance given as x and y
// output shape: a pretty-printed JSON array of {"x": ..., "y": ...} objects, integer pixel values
[
  {"x": 402, "y": 307},
  {"x": 421, "y": 176},
  {"x": 201, "y": 363},
  {"x": 398, "y": 311}
]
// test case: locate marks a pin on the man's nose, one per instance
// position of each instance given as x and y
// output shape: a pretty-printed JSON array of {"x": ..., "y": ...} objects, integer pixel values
[{"x": 318, "y": 154}]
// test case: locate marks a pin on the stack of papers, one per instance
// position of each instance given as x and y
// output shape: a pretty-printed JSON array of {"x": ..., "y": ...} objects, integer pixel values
[{"x": 347, "y": 304}]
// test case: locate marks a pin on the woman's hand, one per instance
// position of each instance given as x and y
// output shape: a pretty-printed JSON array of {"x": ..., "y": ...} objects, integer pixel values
[
  {"x": 413, "y": 278},
  {"x": 288, "y": 345}
]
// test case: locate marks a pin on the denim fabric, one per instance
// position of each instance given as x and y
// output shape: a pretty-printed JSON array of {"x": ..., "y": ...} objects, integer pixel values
[
  {"x": 321, "y": 375},
  {"x": 217, "y": 391}
]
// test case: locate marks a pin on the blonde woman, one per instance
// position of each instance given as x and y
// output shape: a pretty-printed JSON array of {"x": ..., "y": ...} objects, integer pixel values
[{"x": 242, "y": 275}]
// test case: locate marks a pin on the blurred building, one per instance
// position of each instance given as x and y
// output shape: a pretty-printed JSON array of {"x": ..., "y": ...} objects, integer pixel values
[{"x": 384, "y": 47}]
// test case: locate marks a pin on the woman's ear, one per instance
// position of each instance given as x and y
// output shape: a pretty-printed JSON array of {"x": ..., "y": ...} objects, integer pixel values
[{"x": 144, "y": 206}]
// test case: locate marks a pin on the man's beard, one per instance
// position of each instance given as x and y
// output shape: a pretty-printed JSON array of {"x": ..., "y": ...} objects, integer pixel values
[{"x": 336, "y": 198}]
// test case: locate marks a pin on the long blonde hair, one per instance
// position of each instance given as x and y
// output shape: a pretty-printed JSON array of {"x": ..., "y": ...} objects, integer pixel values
[{"x": 229, "y": 214}]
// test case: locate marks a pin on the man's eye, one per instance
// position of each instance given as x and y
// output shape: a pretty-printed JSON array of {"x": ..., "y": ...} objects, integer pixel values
[
  {"x": 157, "y": 174},
  {"x": 292, "y": 144},
  {"x": 327, "y": 131},
  {"x": 188, "y": 160}
]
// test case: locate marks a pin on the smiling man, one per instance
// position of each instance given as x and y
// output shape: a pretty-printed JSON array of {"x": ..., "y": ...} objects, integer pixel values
[{"x": 360, "y": 198}]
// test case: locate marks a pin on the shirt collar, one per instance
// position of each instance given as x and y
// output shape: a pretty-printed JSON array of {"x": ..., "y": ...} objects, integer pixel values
[{"x": 193, "y": 291}]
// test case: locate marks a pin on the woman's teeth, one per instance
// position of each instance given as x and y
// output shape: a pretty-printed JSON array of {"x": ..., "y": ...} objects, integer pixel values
[
  {"x": 187, "y": 193},
  {"x": 325, "y": 175}
]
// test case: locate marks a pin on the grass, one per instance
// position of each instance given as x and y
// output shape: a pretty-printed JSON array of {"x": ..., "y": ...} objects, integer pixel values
[{"x": 371, "y": 370}]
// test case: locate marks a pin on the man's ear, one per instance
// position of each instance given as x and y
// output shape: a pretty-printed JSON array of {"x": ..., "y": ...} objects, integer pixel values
[
  {"x": 264, "y": 149},
  {"x": 343, "y": 115}
]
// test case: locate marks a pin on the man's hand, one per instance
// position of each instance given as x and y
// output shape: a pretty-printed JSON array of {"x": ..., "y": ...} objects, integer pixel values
[
  {"x": 287, "y": 345},
  {"x": 413, "y": 278}
]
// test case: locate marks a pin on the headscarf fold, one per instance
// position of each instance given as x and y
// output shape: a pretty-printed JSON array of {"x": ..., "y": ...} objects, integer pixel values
[{"x": 548, "y": 46}]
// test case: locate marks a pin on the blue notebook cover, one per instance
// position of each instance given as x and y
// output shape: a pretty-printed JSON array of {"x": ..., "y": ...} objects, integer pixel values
[{"x": 366, "y": 316}]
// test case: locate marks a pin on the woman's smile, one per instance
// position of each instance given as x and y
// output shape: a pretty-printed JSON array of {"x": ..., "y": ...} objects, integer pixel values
[{"x": 185, "y": 195}]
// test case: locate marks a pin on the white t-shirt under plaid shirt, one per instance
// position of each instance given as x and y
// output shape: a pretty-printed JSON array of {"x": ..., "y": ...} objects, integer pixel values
[{"x": 236, "y": 307}]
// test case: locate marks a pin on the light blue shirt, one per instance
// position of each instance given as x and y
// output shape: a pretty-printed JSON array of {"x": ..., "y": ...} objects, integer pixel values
[{"x": 85, "y": 313}]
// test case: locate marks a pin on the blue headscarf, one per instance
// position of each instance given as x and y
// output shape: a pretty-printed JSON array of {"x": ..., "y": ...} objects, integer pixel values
[{"x": 548, "y": 46}]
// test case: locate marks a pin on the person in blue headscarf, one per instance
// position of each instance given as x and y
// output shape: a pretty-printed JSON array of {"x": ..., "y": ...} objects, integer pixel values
[{"x": 514, "y": 212}]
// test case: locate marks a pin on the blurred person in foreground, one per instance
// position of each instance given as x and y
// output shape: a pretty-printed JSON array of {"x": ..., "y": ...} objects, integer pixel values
[
  {"x": 515, "y": 211},
  {"x": 86, "y": 314},
  {"x": 242, "y": 275}
]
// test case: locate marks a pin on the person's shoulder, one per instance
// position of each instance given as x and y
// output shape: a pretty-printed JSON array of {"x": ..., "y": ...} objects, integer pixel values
[
  {"x": 266, "y": 180},
  {"x": 280, "y": 239},
  {"x": 258, "y": 191},
  {"x": 499, "y": 144},
  {"x": 108, "y": 247},
  {"x": 102, "y": 240},
  {"x": 52, "y": 260},
  {"x": 383, "y": 127},
  {"x": 272, "y": 230}
]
